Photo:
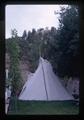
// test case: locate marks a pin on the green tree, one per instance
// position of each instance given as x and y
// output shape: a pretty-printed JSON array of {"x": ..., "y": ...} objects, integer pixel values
[
  {"x": 14, "y": 33},
  {"x": 68, "y": 40},
  {"x": 24, "y": 36},
  {"x": 13, "y": 50}
]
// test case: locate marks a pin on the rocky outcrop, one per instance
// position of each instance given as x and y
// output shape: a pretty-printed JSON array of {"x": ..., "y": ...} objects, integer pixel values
[{"x": 73, "y": 86}]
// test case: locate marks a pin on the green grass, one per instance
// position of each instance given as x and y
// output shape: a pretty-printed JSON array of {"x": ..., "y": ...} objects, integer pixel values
[{"x": 43, "y": 107}]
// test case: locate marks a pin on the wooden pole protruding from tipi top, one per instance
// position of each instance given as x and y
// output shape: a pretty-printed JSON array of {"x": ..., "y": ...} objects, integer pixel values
[{"x": 44, "y": 78}]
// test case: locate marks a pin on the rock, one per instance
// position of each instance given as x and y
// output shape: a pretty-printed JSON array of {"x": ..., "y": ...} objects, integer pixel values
[{"x": 73, "y": 86}]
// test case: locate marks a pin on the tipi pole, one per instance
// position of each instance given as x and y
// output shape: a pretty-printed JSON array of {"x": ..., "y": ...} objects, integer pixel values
[
  {"x": 40, "y": 50},
  {"x": 44, "y": 81}
]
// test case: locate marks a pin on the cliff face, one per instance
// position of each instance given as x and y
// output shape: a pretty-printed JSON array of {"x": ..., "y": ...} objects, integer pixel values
[{"x": 24, "y": 70}]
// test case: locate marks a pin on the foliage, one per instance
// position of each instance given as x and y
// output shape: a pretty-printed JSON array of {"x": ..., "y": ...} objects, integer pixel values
[
  {"x": 69, "y": 41},
  {"x": 13, "y": 50},
  {"x": 8, "y": 82},
  {"x": 14, "y": 33},
  {"x": 24, "y": 36}
]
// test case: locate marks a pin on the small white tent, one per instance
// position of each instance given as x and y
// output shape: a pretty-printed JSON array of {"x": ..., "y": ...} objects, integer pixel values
[{"x": 44, "y": 85}]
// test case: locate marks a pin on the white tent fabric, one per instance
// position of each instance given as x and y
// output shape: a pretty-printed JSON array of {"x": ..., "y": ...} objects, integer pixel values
[
  {"x": 7, "y": 99},
  {"x": 44, "y": 85}
]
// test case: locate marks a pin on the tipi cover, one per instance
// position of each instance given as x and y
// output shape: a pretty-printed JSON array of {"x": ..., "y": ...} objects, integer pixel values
[{"x": 44, "y": 85}]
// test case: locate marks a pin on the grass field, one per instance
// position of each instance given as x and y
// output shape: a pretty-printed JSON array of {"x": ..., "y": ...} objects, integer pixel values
[{"x": 42, "y": 107}]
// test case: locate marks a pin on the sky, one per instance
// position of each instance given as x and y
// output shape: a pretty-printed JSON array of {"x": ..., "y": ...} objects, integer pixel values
[{"x": 27, "y": 17}]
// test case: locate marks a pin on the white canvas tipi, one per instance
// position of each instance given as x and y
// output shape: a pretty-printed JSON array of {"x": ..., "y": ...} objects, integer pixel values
[{"x": 44, "y": 85}]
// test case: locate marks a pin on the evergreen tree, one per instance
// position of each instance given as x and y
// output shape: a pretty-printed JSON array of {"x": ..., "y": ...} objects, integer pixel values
[
  {"x": 14, "y": 50},
  {"x": 24, "y": 36},
  {"x": 68, "y": 41}
]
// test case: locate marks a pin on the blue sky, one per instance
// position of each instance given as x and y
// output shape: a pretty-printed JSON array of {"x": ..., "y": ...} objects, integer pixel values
[{"x": 26, "y": 17}]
